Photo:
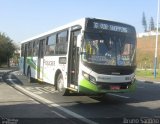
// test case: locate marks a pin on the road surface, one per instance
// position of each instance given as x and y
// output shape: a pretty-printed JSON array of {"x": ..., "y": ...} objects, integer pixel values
[{"x": 142, "y": 106}]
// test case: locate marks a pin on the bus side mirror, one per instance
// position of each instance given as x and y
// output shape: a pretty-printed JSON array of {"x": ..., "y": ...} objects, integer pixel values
[{"x": 79, "y": 37}]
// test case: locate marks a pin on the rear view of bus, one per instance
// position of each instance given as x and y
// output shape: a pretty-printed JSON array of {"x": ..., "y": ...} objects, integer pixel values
[{"x": 108, "y": 57}]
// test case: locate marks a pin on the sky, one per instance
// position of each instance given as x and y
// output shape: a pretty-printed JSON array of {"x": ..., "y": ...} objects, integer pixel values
[{"x": 22, "y": 19}]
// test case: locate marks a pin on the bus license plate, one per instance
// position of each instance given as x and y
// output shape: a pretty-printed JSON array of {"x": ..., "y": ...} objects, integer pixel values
[{"x": 115, "y": 87}]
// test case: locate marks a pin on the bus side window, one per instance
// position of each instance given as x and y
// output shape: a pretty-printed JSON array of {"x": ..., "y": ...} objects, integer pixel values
[
  {"x": 50, "y": 45},
  {"x": 62, "y": 41},
  {"x": 35, "y": 48},
  {"x": 29, "y": 49}
]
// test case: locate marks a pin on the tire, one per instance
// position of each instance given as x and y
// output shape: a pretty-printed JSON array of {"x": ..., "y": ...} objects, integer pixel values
[{"x": 60, "y": 84}]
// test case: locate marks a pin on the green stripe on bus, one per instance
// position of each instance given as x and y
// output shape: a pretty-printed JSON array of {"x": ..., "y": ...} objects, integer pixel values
[
  {"x": 87, "y": 87},
  {"x": 35, "y": 67},
  {"x": 31, "y": 63},
  {"x": 90, "y": 88}
]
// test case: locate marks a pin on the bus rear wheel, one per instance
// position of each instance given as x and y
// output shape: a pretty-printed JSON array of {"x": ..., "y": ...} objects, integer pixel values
[{"x": 60, "y": 84}]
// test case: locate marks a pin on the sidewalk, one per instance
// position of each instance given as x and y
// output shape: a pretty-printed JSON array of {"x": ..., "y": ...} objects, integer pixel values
[{"x": 14, "y": 104}]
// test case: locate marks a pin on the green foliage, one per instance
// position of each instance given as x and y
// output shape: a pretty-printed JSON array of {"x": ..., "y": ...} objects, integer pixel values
[
  {"x": 146, "y": 52},
  {"x": 7, "y": 48},
  {"x": 152, "y": 26},
  {"x": 148, "y": 74},
  {"x": 144, "y": 22}
]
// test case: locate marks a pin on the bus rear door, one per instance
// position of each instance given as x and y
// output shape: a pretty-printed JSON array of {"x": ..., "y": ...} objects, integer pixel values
[{"x": 40, "y": 60}]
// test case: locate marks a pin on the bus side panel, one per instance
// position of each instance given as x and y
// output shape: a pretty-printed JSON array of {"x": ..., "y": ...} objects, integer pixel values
[
  {"x": 49, "y": 68},
  {"x": 33, "y": 67},
  {"x": 31, "y": 62},
  {"x": 26, "y": 65},
  {"x": 51, "y": 65},
  {"x": 21, "y": 62},
  {"x": 41, "y": 68}
]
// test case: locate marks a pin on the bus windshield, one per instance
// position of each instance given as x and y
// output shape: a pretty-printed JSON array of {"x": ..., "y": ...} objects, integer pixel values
[{"x": 110, "y": 48}]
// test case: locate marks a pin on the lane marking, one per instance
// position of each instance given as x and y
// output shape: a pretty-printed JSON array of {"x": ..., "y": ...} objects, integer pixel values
[
  {"x": 11, "y": 79},
  {"x": 59, "y": 114},
  {"x": 51, "y": 104},
  {"x": 126, "y": 97},
  {"x": 41, "y": 90}
]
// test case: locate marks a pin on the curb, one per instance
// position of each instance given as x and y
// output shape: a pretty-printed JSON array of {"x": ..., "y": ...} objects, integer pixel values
[{"x": 148, "y": 81}]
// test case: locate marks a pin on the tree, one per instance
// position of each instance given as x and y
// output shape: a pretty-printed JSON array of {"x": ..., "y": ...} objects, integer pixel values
[
  {"x": 144, "y": 23},
  {"x": 152, "y": 26},
  {"x": 7, "y": 49}
]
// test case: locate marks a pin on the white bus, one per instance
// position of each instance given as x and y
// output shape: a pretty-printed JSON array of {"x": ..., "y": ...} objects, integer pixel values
[{"x": 91, "y": 56}]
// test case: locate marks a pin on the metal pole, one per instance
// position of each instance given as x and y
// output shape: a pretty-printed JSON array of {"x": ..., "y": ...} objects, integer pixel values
[{"x": 155, "y": 61}]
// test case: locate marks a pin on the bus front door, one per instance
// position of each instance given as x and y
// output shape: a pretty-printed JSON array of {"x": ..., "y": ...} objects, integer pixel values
[
  {"x": 40, "y": 60},
  {"x": 73, "y": 59}
]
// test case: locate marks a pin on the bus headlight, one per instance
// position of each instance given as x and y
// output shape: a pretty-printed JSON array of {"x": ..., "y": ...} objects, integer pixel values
[
  {"x": 85, "y": 75},
  {"x": 89, "y": 77},
  {"x": 92, "y": 79}
]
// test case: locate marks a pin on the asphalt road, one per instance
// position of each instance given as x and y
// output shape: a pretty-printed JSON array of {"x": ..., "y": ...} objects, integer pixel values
[{"x": 142, "y": 106}]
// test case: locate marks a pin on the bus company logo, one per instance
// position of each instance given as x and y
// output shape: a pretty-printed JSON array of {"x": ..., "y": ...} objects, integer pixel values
[{"x": 49, "y": 63}]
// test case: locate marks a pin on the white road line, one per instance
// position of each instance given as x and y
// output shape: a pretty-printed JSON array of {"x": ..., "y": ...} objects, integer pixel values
[
  {"x": 10, "y": 79},
  {"x": 59, "y": 114},
  {"x": 52, "y": 104},
  {"x": 17, "y": 73},
  {"x": 126, "y": 97}
]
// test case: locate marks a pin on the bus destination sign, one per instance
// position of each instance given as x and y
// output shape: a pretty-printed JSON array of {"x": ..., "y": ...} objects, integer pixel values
[{"x": 110, "y": 27}]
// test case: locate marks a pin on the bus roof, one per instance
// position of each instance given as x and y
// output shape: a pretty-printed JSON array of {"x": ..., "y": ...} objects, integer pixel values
[
  {"x": 80, "y": 21},
  {"x": 77, "y": 22}
]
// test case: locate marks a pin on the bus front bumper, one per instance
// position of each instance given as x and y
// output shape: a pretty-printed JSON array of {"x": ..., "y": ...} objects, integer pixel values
[{"x": 88, "y": 87}]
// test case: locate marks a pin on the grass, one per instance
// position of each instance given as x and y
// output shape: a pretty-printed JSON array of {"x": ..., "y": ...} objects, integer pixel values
[
  {"x": 148, "y": 74},
  {"x": 145, "y": 58},
  {"x": 146, "y": 52}
]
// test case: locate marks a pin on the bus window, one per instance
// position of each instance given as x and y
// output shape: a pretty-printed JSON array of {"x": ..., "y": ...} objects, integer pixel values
[
  {"x": 35, "y": 48},
  {"x": 29, "y": 49},
  {"x": 61, "y": 46},
  {"x": 50, "y": 45}
]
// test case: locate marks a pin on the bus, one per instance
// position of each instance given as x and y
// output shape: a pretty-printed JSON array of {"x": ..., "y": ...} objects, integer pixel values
[{"x": 90, "y": 56}]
